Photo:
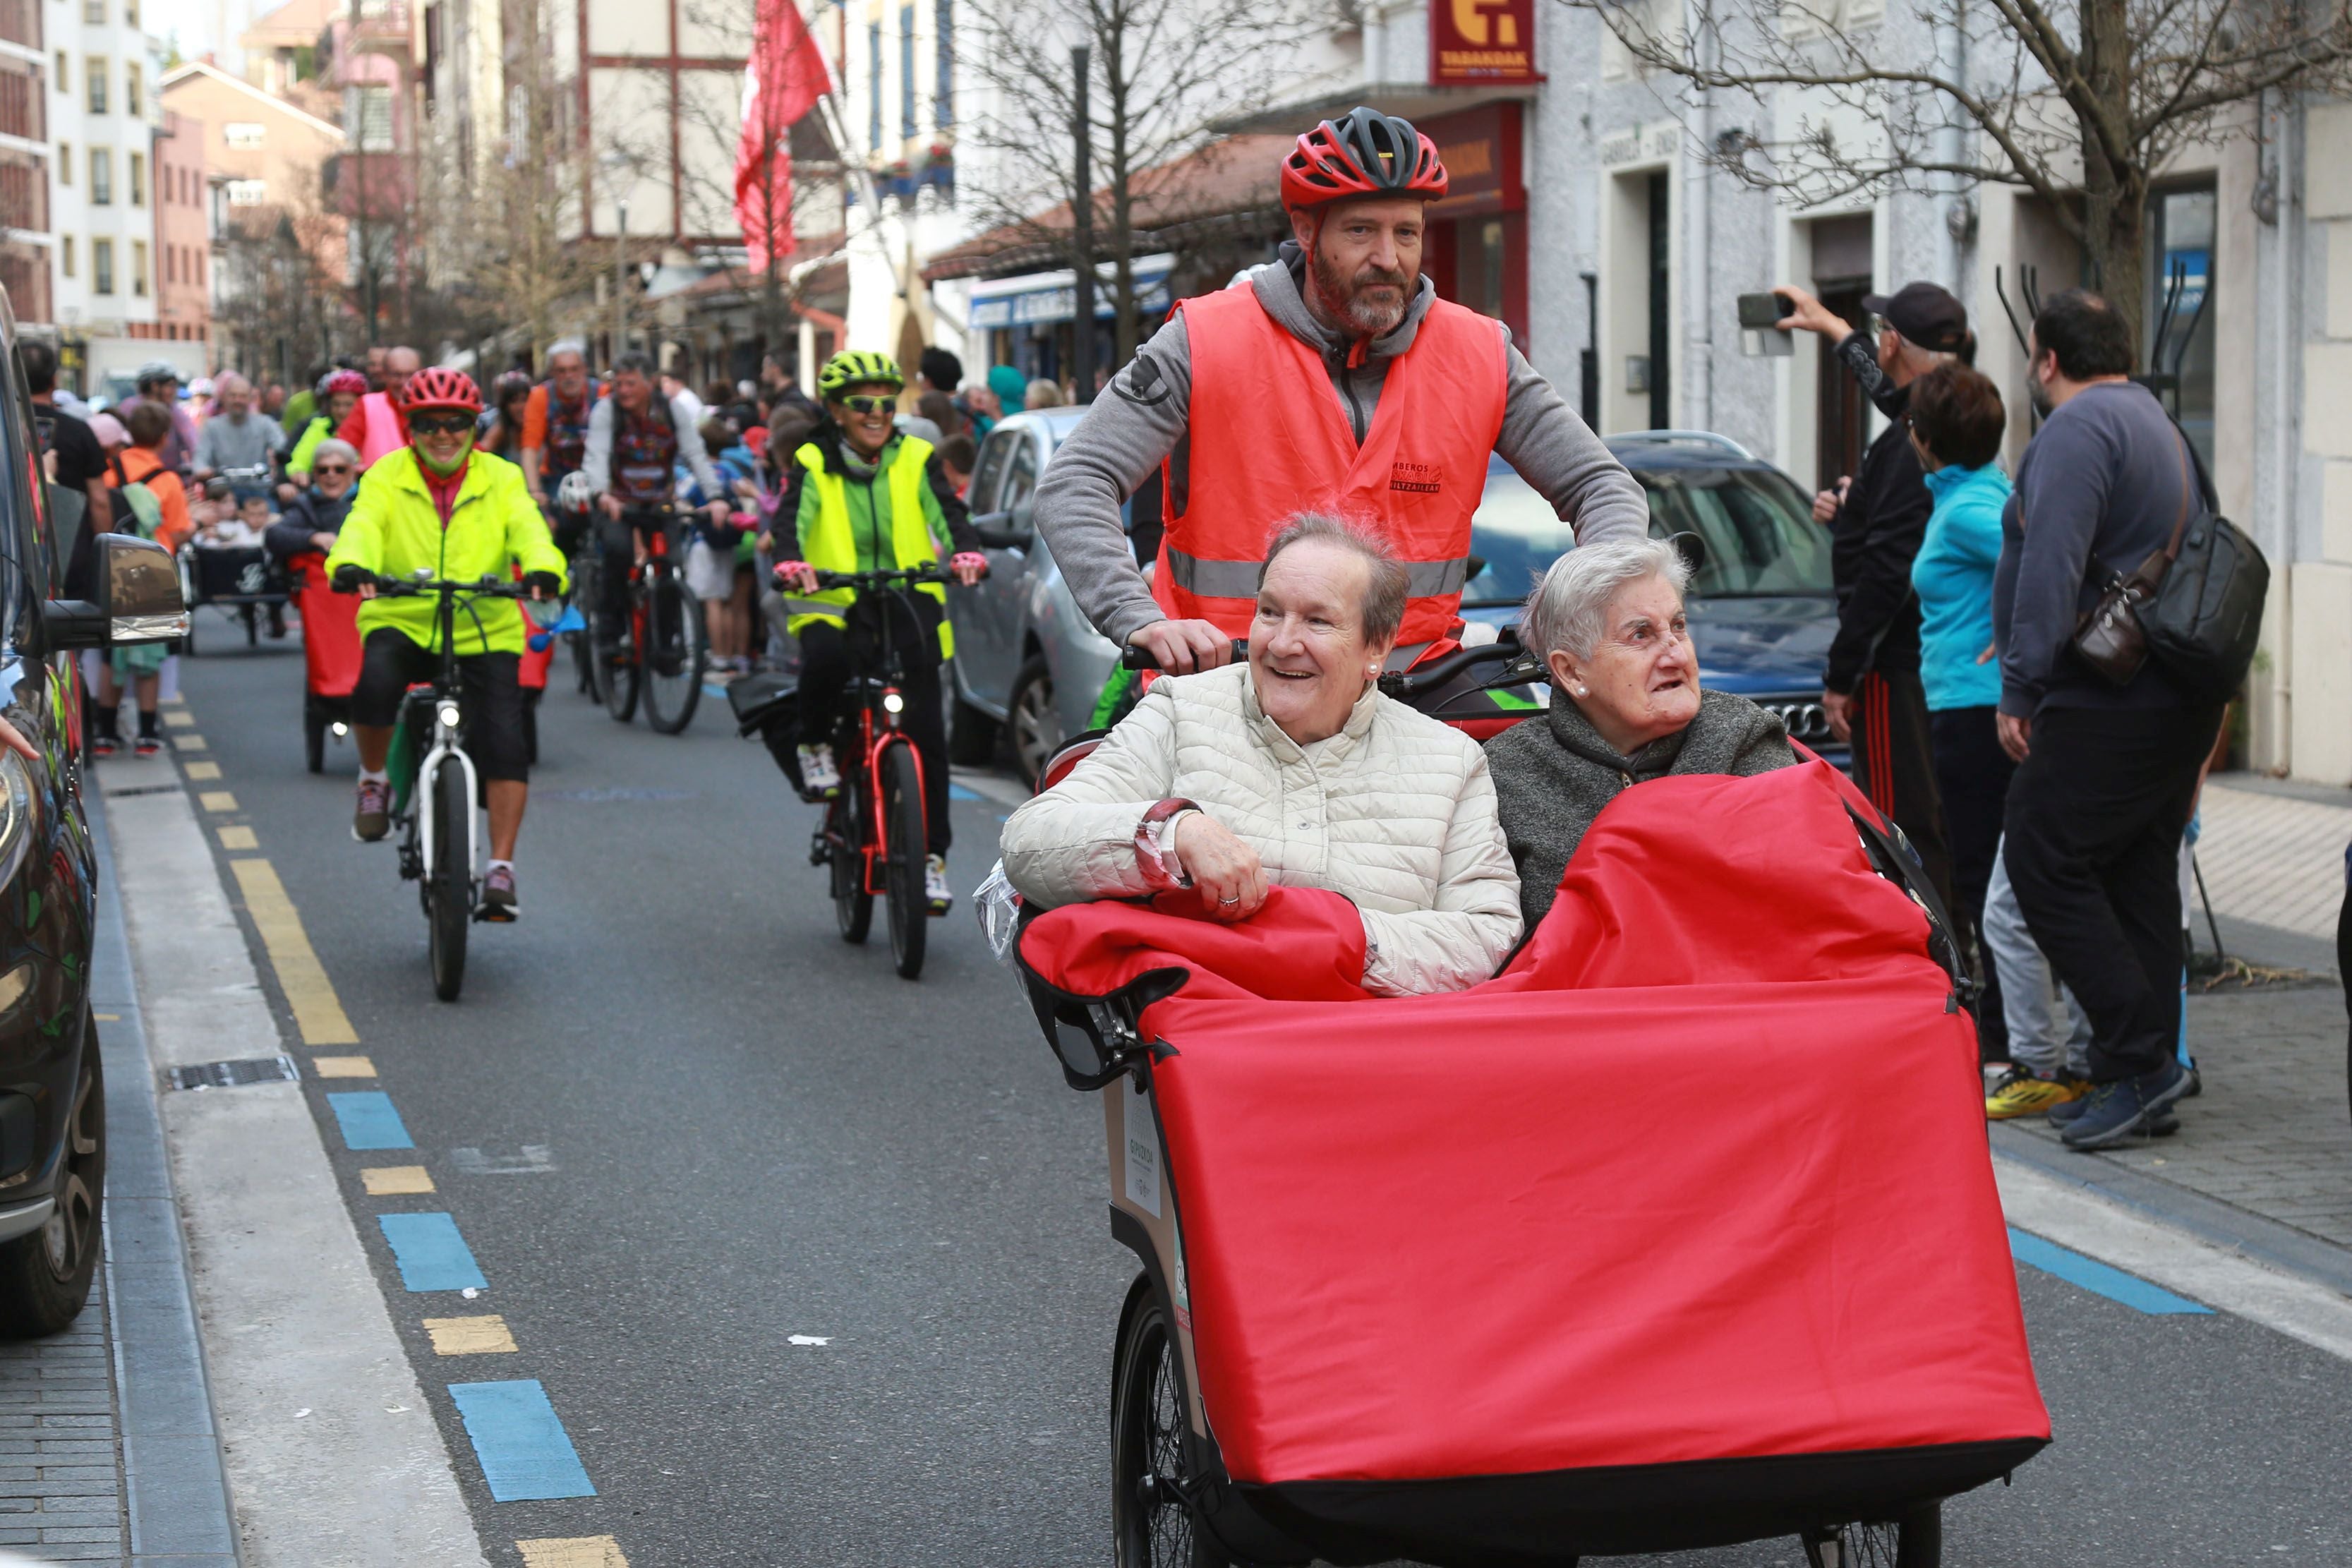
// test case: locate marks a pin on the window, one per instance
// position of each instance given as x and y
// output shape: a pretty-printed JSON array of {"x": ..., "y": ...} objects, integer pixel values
[
  {"x": 64, "y": 61},
  {"x": 873, "y": 86},
  {"x": 135, "y": 166},
  {"x": 94, "y": 11},
  {"x": 132, "y": 86},
  {"x": 131, "y": 12},
  {"x": 101, "y": 266},
  {"x": 907, "y": 72},
  {"x": 101, "y": 176},
  {"x": 66, "y": 254},
  {"x": 138, "y": 268},
  {"x": 367, "y": 118},
  {"x": 65, "y": 162},
  {"x": 93, "y": 81},
  {"x": 943, "y": 48},
  {"x": 247, "y": 193},
  {"x": 241, "y": 134}
]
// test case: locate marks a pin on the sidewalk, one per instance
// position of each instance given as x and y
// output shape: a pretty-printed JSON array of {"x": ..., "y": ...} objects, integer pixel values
[{"x": 2264, "y": 1157}]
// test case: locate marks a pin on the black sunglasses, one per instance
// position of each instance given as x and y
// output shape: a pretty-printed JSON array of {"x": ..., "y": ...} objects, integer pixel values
[
  {"x": 863, "y": 404},
  {"x": 331, "y": 468},
  {"x": 441, "y": 424}
]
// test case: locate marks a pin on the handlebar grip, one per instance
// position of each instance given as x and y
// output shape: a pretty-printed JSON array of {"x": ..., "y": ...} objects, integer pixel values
[{"x": 1134, "y": 657}]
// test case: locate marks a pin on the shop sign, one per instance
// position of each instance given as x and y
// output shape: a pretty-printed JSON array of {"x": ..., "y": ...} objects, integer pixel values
[
  {"x": 1059, "y": 303},
  {"x": 1482, "y": 43}
]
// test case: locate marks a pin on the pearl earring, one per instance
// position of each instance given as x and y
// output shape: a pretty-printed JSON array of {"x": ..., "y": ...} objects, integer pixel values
[{"x": 1580, "y": 691}]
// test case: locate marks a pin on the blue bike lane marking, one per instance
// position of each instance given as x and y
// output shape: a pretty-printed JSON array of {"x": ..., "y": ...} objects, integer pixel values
[
  {"x": 525, "y": 1453},
  {"x": 369, "y": 1121},
  {"x": 430, "y": 1253},
  {"x": 2099, "y": 1279}
]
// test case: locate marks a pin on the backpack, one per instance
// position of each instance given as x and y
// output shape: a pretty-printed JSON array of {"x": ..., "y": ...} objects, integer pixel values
[
  {"x": 2204, "y": 612},
  {"x": 146, "y": 509}
]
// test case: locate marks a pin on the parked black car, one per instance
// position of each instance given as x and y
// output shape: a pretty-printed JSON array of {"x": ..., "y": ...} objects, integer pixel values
[{"x": 52, "y": 1093}]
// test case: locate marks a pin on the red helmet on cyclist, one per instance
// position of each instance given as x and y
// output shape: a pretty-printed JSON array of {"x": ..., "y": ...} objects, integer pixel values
[
  {"x": 438, "y": 388},
  {"x": 1362, "y": 153},
  {"x": 337, "y": 381}
]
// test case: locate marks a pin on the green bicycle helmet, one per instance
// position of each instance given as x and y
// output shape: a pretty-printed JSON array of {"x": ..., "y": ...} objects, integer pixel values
[{"x": 858, "y": 367}]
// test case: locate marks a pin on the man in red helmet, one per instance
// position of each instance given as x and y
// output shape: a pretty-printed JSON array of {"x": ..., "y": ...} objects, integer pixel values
[{"x": 1331, "y": 379}]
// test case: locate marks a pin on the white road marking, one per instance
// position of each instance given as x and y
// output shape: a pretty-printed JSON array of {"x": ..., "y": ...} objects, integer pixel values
[{"x": 2075, "y": 1218}]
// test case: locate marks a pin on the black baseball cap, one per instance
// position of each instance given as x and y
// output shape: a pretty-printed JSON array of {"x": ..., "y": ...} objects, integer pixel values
[{"x": 1925, "y": 314}]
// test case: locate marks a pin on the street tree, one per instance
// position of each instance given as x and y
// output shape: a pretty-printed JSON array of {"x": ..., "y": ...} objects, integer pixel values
[
  {"x": 278, "y": 305},
  {"x": 1161, "y": 72},
  {"x": 2081, "y": 102}
]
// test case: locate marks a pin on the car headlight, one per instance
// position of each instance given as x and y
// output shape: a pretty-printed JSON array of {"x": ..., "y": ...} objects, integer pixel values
[{"x": 20, "y": 812}]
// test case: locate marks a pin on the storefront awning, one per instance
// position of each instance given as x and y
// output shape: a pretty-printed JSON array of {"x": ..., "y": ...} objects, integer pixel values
[{"x": 1037, "y": 299}]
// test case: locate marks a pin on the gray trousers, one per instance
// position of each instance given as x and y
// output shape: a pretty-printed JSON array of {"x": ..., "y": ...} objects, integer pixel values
[{"x": 2041, "y": 1038}]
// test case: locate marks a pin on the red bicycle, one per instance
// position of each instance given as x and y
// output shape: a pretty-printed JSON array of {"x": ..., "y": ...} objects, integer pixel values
[
  {"x": 873, "y": 836},
  {"x": 658, "y": 650}
]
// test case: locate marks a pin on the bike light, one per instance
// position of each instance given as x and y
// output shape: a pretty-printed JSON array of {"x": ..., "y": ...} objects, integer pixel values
[
  {"x": 450, "y": 715},
  {"x": 342, "y": 728},
  {"x": 892, "y": 702}
]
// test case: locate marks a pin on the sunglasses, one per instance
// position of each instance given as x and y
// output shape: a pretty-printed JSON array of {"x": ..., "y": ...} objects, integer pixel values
[
  {"x": 330, "y": 470},
  {"x": 863, "y": 404},
  {"x": 440, "y": 424}
]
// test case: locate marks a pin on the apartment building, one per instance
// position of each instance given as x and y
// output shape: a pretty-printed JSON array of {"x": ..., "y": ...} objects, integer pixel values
[
  {"x": 103, "y": 117},
  {"x": 183, "y": 240},
  {"x": 25, "y": 243}
]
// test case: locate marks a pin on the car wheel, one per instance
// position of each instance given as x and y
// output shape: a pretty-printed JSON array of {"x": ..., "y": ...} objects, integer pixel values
[
  {"x": 45, "y": 1276},
  {"x": 1035, "y": 723},
  {"x": 971, "y": 734}
]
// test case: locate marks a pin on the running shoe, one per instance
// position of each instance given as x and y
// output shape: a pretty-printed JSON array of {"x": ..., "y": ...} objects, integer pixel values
[
  {"x": 818, "y": 774},
  {"x": 2119, "y": 1111},
  {"x": 498, "y": 900},
  {"x": 105, "y": 745},
  {"x": 935, "y": 884},
  {"x": 2018, "y": 1092},
  {"x": 372, "y": 820},
  {"x": 148, "y": 745}
]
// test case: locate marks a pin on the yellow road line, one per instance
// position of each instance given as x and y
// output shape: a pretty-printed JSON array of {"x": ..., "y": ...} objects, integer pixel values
[
  {"x": 342, "y": 1066},
  {"x": 187, "y": 742},
  {"x": 238, "y": 838},
  {"x": 395, "y": 1181},
  {"x": 180, "y": 718},
  {"x": 318, "y": 1012},
  {"x": 197, "y": 771},
  {"x": 216, "y": 800},
  {"x": 580, "y": 1552},
  {"x": 108, "y": 1018},
  {"x": 470, "y": 1336}
]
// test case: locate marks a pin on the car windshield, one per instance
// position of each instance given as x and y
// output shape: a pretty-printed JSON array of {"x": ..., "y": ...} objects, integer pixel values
[{"x": 1760, "y": 536}]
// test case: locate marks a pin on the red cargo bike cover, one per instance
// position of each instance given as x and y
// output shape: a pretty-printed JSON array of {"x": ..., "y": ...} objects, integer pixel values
[
  {"x": 331, "y": 629},
  {"x": 1702, "y": 1175}
]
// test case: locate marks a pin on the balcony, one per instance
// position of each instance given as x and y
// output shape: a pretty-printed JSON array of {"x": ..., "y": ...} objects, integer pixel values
[{"x": 375, "y": 26}]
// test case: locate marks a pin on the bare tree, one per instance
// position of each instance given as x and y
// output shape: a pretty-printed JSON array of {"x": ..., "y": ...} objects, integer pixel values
[
  {"x": 2081, "y": 102},
  {"x": 1160, "y": 72},
  {"x": 278, "y": 304}
]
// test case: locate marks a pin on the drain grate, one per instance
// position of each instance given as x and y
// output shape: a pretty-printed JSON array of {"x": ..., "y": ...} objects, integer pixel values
[
  {"x": 236, "y": 1074},
  {"x": 143, "y": 789}
]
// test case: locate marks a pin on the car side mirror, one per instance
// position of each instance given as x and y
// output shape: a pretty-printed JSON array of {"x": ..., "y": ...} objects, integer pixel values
[{"x": 137, "y": 598}]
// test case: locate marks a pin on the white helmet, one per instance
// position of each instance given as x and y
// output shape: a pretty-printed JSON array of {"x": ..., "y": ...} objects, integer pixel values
[{"x": 571, "y": 492}]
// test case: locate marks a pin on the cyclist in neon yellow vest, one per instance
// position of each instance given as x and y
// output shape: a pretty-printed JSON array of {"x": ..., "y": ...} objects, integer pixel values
[{"x": 865, "y": 498}]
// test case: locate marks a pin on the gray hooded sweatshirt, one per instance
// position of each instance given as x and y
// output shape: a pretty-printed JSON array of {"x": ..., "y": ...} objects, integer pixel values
[{"x": 1125, "y": 434}]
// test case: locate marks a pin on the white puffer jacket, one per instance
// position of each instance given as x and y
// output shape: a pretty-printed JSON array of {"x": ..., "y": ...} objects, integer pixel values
[{"x": 1395, "y": 812}]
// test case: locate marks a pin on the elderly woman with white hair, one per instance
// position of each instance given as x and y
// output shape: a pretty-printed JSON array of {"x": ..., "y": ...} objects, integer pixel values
[
  {"x": 1625, "y": 705},
  {"x": 1293, "y": 770},
  {"x": 315, "y": 515}
]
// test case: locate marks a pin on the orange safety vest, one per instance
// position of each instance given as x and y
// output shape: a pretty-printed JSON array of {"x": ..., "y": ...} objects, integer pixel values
[{"x": 1268, "y": 440}]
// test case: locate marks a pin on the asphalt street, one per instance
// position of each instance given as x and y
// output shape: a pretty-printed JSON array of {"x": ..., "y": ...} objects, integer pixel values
[{"x": 679, "y": 1122}]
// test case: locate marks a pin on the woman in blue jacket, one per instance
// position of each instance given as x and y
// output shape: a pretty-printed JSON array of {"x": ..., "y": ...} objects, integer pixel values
[{"x": 1958, "y": 423}]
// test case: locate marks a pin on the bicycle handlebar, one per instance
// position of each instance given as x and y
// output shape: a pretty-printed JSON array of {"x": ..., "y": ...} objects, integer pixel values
[
  {"x": 897, "y": 576},
  {"x": 417, "y": 587},
  {"x": 1134, "y": 657},
  {"x": 1414, "y": 682}
]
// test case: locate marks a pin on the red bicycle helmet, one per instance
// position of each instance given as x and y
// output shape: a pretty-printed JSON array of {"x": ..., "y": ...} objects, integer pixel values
[
  {"x": 1362, "y": 153},
  {"x": 438, "y": 388},
  {"x": 349, "y": 380}
]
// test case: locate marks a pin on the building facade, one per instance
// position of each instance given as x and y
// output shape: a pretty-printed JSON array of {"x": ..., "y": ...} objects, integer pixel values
[
  {"x": 103, "y": 116},
  {"x": 25, "y": 241},
  {"x": 183, "y": 238}
]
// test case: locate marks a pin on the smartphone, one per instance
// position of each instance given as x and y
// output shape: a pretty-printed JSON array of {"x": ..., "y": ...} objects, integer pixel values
[{"x": 1757, "y": 311}]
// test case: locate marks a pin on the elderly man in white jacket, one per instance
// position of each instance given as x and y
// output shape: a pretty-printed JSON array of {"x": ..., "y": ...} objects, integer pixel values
[{"x": 1294, "y": 770}]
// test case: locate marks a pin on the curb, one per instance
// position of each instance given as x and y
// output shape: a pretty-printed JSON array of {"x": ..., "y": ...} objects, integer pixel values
[
  {"x": 177, "y": 1493},
  {"x": 2237, "y": 1230}
]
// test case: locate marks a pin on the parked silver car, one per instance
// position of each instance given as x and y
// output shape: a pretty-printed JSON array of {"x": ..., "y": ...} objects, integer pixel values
[{"x": 1028, "y": 665}]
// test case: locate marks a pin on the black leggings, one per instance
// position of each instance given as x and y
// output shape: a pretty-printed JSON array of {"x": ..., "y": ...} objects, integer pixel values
[
  {"x": 825, "y": 653},
  {"x": 1972, "y": 778},
  {"x": 489, "y": 689}
]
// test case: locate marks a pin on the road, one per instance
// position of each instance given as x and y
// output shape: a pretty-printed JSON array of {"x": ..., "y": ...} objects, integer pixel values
[{"x": 678, "y": 1121}]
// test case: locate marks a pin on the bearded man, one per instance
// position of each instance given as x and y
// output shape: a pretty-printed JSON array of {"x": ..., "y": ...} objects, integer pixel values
[{"x": 1329, "y": 380}]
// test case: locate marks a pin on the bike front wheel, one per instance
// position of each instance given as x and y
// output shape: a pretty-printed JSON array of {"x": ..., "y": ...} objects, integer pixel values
[
  {"x": 902, "y": 858},
  {"x": 449, "y": 880},
  {"x": 853, "y": 906},
  {"x": 672, "y": 655}
]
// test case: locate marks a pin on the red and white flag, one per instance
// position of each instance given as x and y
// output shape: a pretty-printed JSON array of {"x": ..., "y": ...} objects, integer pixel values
[{"x": 781, "y": 81}]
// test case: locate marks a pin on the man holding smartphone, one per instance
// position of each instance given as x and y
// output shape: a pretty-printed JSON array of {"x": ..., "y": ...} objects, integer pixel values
[{"x": 1871, "y": 688}]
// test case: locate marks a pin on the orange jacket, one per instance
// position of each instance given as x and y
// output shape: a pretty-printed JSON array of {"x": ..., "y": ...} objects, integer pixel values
[{"x": 141, "y": 465}]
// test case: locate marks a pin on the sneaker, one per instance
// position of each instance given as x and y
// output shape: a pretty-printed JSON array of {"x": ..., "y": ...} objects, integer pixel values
[
  {"x": 498, "y": 900},
  {"x": 105, "y": 745},
  {"x": 372, "y": 820},
  {"x": 2119, "y": 1111},
  {"x": 935, "y": 884},
  {"x": 2018, "y": 1092},
  {"x": 2196, "y": 1083},
  {"x": 148, "y": 745},
  {"x": 818, "y": 773}
]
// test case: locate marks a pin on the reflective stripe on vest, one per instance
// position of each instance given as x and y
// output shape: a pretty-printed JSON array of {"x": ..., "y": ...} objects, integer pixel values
[
  {"x": 830, "y": 546},
  {"x": 1268, "y": 439}
]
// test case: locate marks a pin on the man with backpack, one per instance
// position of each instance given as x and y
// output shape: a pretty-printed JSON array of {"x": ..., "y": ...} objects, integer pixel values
[{"x": 2108, "y": 769}]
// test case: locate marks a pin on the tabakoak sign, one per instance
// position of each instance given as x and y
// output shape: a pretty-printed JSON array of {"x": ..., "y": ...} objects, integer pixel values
[{"x": 1482, "y": 42}]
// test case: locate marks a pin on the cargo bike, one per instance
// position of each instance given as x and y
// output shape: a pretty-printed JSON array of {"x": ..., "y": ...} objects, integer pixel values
[{"x": 1620, "y": 1251}]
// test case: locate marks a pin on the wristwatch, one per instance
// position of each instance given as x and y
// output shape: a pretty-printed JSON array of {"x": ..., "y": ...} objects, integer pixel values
[{"x": 1153, "y": 837}]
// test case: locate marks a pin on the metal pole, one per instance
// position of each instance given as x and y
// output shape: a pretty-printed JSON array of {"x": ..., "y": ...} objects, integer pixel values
[
  {"x": 620, "y": 288},
  {"x": 1082, "y": 235}
]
